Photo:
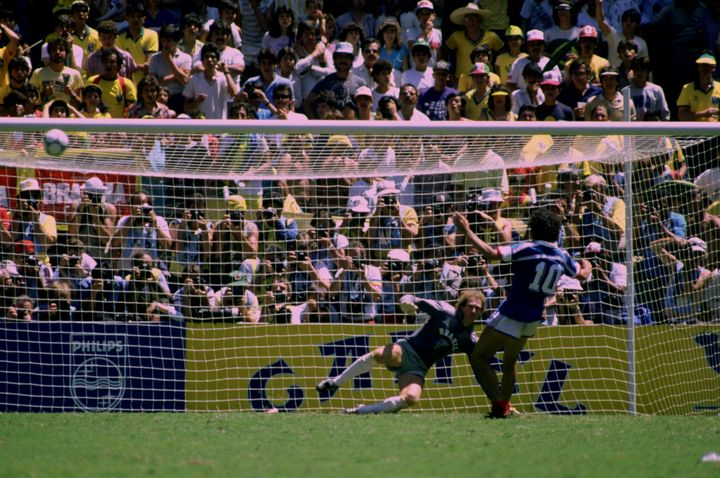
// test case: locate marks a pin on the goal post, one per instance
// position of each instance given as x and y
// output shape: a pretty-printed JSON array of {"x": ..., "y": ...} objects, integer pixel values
[{"x": 231, "y": 265}]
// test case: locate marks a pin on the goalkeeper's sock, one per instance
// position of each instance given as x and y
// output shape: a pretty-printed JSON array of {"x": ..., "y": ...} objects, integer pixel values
[
  {"x": 501, "y": 408},
  {"x": 362, "y": 365},
  {"x": 389, "y": 405}
]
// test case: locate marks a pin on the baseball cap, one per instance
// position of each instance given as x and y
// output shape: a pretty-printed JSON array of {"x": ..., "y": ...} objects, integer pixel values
[
  {"x": 550, "y": 78},
  {"x": 609, "y": 71},
  {"x": 490, "y": 195},
  {"x": 513, "y": 31},
  {"x": 344, "y": 48},
  {"x": 424, "y": 4},
  {"x": 563, "y": 5},
  {"x": 706, "y": 59},
  {"x": 237, "y": 203},
  {"x": 29, "y": 184},
  {"x": 239, "y": 278},
  {"x": 441, "y": 65},
  {"x": 358, "y": 204},
  {"x": 535, "y": 35},
  {"x": 421, "y": 43},
  {"x": 363, "y": 91},
  {"x": 588, "y": 31},
  {"x": 479, "y": 69},
  {"x": 94, "y": 185}
]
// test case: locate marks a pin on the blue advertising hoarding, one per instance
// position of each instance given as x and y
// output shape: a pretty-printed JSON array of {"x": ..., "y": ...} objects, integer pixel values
[{"x": 91, "y": 366}]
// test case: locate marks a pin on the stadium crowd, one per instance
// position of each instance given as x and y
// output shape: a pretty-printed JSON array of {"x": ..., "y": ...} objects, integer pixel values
[{"x": 346, "y": 249}]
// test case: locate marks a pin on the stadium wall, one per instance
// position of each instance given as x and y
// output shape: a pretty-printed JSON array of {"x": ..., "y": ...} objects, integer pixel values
[{"x": 62, "y": 366}]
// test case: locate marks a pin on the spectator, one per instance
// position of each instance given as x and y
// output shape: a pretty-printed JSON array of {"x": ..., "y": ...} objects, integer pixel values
[
  {"x": 189, "y": 43},
  {"x": 282, "y": 30},
  {"x": 684, "y": 259},
  {"x": 232, "y": 57},
  {"x": 698, "y": 101},
  {"x": 504, "y": 61},
  {"x": 171, "y": 66},
  {"x": 83, "y": 35},
  {"x": 420, "y": 75},
  {"x": 210, "y": 90},
  {"x": 118, "y": 92},
  {"x": 538, "y": 14},
  {"x": 343, "y": 83},
  {"x": 531, "y": 94},
  {"x": 287, "y": 60},
  {"x": 499, "y": 106},
  {"x": 228, "y": 15},
  {"x": 371, "y": 54},
  {"x": 604, "y": 218},
  {"x": 191, "y": 234},
  {"x": 315, "y": 16},
  {"x": 628, "y": 51},
  {"x": 31, "y": 224},
  {"x": 408, "y": 105},
  {"x": 535, "y": 48},
  {"x": 393, "y": 49},
  {"x": 611, "y": 98},
  {"x": 551, "y": 109},
  {"x": 142, "y": 229},
  {"x": 354, "y": 35},
  {"x": 283, "y": 103},
  {"x": 142, "y": 43},
  {"x": 603, "y": 300},
  {"x": 358, "y": 14},
  {"x": 57, "y": 81},
  {"x": 455, "y": 106},
  {"x": 479, "y": 54},
  {"x": 92, "y": 220},
  {"x": 157, "y": 17},
  {"x": 392, "y": 225},
  {"x": 565, "y": 25},
  {"x": 382, "y": 73},
  {"x": 108, "y": 33},
  {"x": 311, "y": 65},
  {"x": 396, "y": 282},
  {"x": 357, "y": 289},
  {"x": 63, "y": 30},
  {"x": 18, "y": 75},
  {"x": 649, "y": 98},
  {"x": 477, "y": 98},
  {"x": 471, "y": 18},
  {"x": 425, "y": 31},
  {"x": 432, "y": 100},
  {"x": 363, "y": 104},
  {"x": 148, "y": 104},
  {"x": 234, "y": 234},
  {"x": 253, "y": 25},
  {"x": 588, "y": 41},
  {"x": 147, "y": 295},
  {"x": 630, "y": 22},
  {"x": 578, "y": 90},
  {"x": 194, "y": 296},
  {"x": 265, "y": 82}
]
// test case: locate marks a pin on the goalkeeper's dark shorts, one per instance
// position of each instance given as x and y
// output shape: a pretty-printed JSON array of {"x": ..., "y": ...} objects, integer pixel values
[{"x": 412, "y": 364}]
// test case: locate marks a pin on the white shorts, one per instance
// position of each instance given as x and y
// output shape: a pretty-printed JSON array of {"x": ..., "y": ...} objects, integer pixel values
[{"x": 513, "y": 328}]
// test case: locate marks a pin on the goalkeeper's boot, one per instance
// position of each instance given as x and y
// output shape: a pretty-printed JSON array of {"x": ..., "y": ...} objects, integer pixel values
[
  {"x": 353, "y": 410},
  {"x": 326, "y": 385}
]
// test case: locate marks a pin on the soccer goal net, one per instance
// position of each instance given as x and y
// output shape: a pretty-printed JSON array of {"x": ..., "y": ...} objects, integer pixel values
[{"x": 222, "y": 266}]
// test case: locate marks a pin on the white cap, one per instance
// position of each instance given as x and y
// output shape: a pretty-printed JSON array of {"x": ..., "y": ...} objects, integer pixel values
[
  {"x": 363, "y": 91},
  {"x": 94, "y": 185},
  {"x": 594, "y": 248},
  {"x": 398, "y": 255},
  {"x": 697, "y": 245},
  {"x": 358, "y": 204},
  {"x": 344, "y": 48}
]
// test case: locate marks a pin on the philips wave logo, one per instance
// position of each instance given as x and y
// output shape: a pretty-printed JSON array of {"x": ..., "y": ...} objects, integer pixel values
[{"x": 98, "y": 379}]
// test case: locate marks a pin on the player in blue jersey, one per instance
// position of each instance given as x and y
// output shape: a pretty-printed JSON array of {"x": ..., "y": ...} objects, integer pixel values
[
  {"x": 448, "y": 330},
  {"x": 536, "y": 265}
]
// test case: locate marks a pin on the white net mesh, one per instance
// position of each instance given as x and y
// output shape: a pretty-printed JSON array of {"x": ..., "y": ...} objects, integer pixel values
[{"x": 314, "y": 234}]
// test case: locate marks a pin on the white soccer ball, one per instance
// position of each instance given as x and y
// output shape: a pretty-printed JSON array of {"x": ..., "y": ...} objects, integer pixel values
[{"x": 56, "y": 142}]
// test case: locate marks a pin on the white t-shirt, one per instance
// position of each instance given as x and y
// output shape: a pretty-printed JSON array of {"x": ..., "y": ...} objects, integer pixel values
[
  {"x": 419, "y": 79},
  {"x": 517, "y": 67},
  {"x": 215, "y": 104}
]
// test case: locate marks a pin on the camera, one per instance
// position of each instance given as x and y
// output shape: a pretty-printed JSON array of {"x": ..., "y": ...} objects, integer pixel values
[
  {"x": 238, "y": 291},
  {"x": 301, "y": 256},
  {"x": 269, "y": 213},
  {"x": 195, "y": 215},
  {"x": 73, "y": 261},
  {"x": 94, "y": 198},
  {"x": 588, "y": 195},
  {"x": 146, "y": 209},
  {"x": 198, "y": 280},
  {"x": 431, "y": 264},
  {"x": 395, "y": 266},
  {"x": 474, "y": 260},
  {"x": 236, "y": 216},
  {"x": 31, "y": 260}
]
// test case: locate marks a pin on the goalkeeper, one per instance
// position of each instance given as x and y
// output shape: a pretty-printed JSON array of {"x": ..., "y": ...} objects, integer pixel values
[{"x": 448, "y": 330}]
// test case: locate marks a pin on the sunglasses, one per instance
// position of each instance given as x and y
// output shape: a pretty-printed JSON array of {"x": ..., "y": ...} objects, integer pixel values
[
  {"x": 371, "y": 50},
  {"x": 282, "y": 97}
]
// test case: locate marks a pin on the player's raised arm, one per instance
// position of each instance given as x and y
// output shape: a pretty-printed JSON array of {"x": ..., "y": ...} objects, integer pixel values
[{"x": 463, "y": 225}]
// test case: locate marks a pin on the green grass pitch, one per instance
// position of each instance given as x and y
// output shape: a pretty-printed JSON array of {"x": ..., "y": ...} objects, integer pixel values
[{"x": 333, "y": 445}]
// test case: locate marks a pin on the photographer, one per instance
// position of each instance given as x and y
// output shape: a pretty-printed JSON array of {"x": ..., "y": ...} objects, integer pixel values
[
  {"x": 276, "y": 229},
  {"x": 194, "y": 294},
  {"x": 603, "y": 219},
  {"x": 104, "y": 298},
  {"x": 396, "y": 272},
  {"x": 143, "y": 230},
  {"x": 392, "y": 225},
  {"x": 603, "y": 301},
  {"x": 30, "y": 223},
  {"x": 357, "y": 289},
  {"x": 304, "y": 271},
  {"x": 236, "y": 300},
  {"x": 93, "y": 220},
  {"x": 234, "y": 234},
  {"x": 192, "y": 234},
  {"x": 147, "y": 295}
]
